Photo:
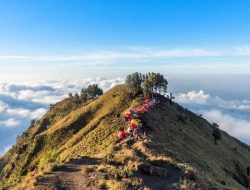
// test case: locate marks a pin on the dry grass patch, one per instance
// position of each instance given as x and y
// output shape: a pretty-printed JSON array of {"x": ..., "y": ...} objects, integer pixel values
[{"x": 88, "y": 169}]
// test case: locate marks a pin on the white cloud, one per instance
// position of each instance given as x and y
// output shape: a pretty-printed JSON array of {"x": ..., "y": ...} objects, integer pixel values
[
  {"x": 11, "y": 122},
  {"x": 38, "y": 113},
  {"x": 242, "y": 50},
  {"x": 110, "y": 56},
  {"x": 200, "y": 97},
  {"x": 21, "y": 112},
  {"x": 193, "y": 96},
  {"x": 236, "y": 127},
  {"x": 48, "y": 92},
  {"x": 3, "y": 107},
  {"x": 231, "y": 115},
  {"x": 6, "y": 149},
  {"x": 21, "y": 102},
  {"x": 130, "y": 53}
]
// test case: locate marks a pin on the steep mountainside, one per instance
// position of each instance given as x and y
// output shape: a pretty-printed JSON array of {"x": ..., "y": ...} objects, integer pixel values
[{"x": 74, "y": 146}]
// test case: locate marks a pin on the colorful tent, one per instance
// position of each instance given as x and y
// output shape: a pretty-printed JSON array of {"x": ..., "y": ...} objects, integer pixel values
[
  {"x": 128, "y": 116},
  {"x": 137, "y": 104},
  {"x": 122, "y": 134},
  {"x": 147, "y": 100},
  {"x": 134, "y": 121},
  {"x": 133, "y": 125},
  {"x": 140, "y": 109},
  {"x": 146, "y": 106}
]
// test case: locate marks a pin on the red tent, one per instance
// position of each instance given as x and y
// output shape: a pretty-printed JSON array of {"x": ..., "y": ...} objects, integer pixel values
[
  {"x": 122, "y": 134},
  {"x": 147, "y": 100}
]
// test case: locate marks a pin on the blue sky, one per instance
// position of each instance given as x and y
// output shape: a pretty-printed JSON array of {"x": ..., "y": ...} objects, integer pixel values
[
  {"x": 103, "y": 37},
  {"x": 51, "y": 47},
  {"x": 57, "y": 25}
]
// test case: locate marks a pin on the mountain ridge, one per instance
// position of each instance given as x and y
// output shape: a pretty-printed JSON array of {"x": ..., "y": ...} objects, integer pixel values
[{"x": 179, "y": 137}]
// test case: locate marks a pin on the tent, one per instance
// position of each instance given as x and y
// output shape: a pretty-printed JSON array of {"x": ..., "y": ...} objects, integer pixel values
[{"x": 122, "y": 134}]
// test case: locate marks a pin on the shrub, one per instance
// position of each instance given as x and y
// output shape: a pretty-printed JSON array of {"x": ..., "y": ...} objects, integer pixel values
[
  {"x": 115, "y": 185},
  {"x": 102, "y": 168},
  {"x": 119, "y": 172},
  {"x": 49, "y": 157},
  {"x": 49, "y": 167},
  {"x": 88, "y": 169},
  {"x": 102, "y": 184}
]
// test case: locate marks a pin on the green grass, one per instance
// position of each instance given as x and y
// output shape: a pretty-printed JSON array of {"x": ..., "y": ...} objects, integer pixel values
[{"x": 49, "y": 157}]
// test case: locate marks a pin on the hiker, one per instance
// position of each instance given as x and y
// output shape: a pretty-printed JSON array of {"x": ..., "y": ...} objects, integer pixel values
[{"x": 122, "y": 134}]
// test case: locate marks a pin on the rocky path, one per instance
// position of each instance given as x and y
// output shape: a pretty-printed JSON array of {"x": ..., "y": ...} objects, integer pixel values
[{"x": 70, "y": 177}]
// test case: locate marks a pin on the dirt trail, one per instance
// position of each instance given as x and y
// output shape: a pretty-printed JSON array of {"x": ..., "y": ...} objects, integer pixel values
[
  {"x": 70, "y": 177},
  {"x": 161, "y": 183}
]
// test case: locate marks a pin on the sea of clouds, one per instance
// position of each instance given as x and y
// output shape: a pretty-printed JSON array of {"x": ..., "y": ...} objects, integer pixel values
[
  {"x": 20, "y": 103},
  {"x": 231, "y": 115}
]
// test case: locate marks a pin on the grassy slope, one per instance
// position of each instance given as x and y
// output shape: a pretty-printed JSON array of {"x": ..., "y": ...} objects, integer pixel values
[
  {"x": 191, "y": 141},
  {"x": 86, "y": 130},
  {"x": 66, "y": 125}
]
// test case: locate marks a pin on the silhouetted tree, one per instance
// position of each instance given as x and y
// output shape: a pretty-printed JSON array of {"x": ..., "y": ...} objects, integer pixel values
[
  {"x": 33, "y": 122},
  {"x": 84, "y": 95},
  {"x": 17, "y": 137},
  {"x": 51, "y": 106},
  {"x": 76, "y": 98},
  {"x": 216, "y": 133},
  {"x": 94, "y": 91}
]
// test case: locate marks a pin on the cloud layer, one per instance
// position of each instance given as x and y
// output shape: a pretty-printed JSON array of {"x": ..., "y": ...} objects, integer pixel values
[
  {"x": 132, "y": 53},
  {"x": 231, "y": 115},
  {"x": 19, "y": 103}
]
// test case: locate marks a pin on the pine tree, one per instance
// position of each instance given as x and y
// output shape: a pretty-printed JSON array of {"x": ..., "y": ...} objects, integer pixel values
[{"x": 76, "y": 98}]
